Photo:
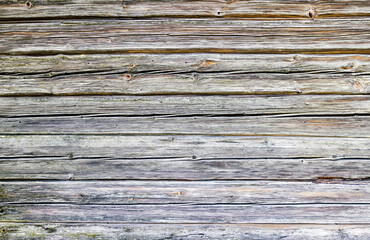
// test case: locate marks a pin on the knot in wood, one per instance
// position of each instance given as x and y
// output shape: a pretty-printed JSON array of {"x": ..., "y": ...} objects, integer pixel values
[
  {"x": 28, "y": 4},
  {"x": 128, "y": 77},
  {"x": 311, "y": 13}
]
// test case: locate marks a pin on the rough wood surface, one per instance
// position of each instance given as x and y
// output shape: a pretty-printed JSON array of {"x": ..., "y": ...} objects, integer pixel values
[
  {"x": 203, "y": 147},
  {"x": 187, "y": 168},
  {"x": 186, "y": 83},
  {"x": 16, "y": 9},
  {"x": 294, "y": 105},
  {"x": 188, "y": 213},
  {"x": 177, "y": 119},
  {"x": 357, "y": 126},
  {"x": 186, "y": 35},
  {"x": 174, "y": 192},
  {"x": 184, "y": 74},
  {"x": 184, "y": 231},
  {"x": 59, "y": 65}
]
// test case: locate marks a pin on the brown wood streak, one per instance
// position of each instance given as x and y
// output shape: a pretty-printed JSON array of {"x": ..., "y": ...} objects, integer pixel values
[
  {"x": 171, "y": 192},
  {"x": 184, "y": 74},
  {"x": 183, "y": 231},
  {"x": 218, "y": 8},
  {"x": 185, "y": 35}
]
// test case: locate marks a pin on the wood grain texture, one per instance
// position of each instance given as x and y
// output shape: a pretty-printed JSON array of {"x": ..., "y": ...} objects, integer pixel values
[
  {"x": 187, "y": 213},
  {"x": 183, "y": 231},
  {"x": 174, "y": 192},
  {"x": 203, "y": 147},
  {"x": 186, "y": 35},
  {"x": 358, "y": 126},
  {"x": 16, "y": 9},
  {"x": 155, "y": 119},
  {"x": 294, "y": 105},
  {"x": 184, "y": 74},
  {"x": 186, "y": 168},
  {"x": 186, "y": 83},
  {"x": 60, "y": 65}
]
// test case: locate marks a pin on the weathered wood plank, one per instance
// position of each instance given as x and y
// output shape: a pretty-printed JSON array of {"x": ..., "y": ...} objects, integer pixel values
[
  {"x": 64, "y": 168},
  {"x": 171, "y": 192},
  {"x": 59, "y": 65},
  {"x": 17, "y": 9},
  {"x": 185, "y": 105},
  {"x": 184, "y": 35},
  {"x": 357, "y": 126},
  {"x": 188, "y": 83},
  {"x": 203, "y": 147},
  {"x": 184, "y": 74},
  {"x": 184, "y": 213},
  {"x": 183, "y": 231}
]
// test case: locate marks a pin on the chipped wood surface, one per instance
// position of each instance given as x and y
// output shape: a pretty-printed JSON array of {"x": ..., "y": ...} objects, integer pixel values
[{"x": 184, "y": 119}]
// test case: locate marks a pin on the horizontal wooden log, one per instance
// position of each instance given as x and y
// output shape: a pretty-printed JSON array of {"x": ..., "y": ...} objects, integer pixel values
[
  {"x": 171, "y": 192},
  {"x": 16, "y": 9},
  {"x": 184, "y": 74},
  {"x": 60, "y": 65},
  {"x": 64, "y": 168},
  {"x": 186, "y": 35},
  {"x": 188, "y": 83},
  {"x": 203, "y": 147},
  {"x": 183, "y": 231},
  {"x": 186, "y": 213},
  {"x": 185, "y": 105},
  {"x": 227, "y": 126}
]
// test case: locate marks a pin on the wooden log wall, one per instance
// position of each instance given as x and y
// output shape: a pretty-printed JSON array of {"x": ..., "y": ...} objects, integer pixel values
[{"x": 177, "y": 119}]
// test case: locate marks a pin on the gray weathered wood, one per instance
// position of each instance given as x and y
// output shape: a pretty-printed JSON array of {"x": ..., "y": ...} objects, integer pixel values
[
  {"x": 59, "y": 65},
  {"x": 184, "y": 74},
  {"x": 74, "y": 231},
  {"x": 188, "y": 83},
  {"x": 203, "y": 147},
  {"x": 185, "y": 105},
  {"x": 188, "y": 213},
  {"x": 186, "y": 35},
  {"x": 171, "y": 192},
  {"x": 358, "y": 126},
  {"x": 64, "y": 168},
  {"x": 16, "y": 9}
]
